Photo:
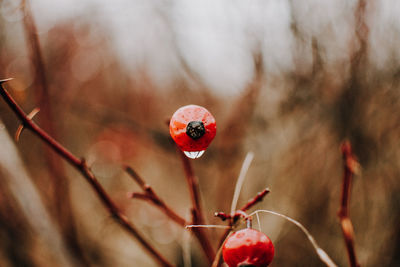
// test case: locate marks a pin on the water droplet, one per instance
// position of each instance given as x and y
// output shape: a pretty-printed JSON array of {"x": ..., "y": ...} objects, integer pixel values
[{"x": 194, "y": 154}]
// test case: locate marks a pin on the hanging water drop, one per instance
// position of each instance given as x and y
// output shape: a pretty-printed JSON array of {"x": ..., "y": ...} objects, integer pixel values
[{"x": 194, "y": 154}]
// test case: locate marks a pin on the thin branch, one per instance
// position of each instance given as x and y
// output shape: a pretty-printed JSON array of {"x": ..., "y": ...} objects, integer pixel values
[
  {"x": 258, "y": 198},
  {"x": 350, "y": 166},
  {"x": 82, "y": 167},
  {"x": 193, "y": 187},
  {"x": 241, "y": 212},
  {"x": 197, "y": 213},
  {"x": 233, "y": 217},
  {"x": 151, "y": 196}
]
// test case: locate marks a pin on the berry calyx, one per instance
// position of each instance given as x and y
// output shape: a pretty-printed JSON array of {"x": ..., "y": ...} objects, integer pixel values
[
  {"x": 193, "y": 128},
  {"x": 248, "y": 247}
]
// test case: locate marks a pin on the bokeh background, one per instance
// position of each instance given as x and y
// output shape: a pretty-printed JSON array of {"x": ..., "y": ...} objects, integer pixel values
[{"x": 286, "y": 80}]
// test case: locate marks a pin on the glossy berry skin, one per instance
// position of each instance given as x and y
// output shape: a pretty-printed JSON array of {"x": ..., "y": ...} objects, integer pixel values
[
  {"x": 193, "y": 128},
  {"x": 248, "y": 247}
]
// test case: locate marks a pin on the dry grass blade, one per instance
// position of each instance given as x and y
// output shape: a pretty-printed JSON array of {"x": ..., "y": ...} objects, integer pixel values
[
  {"x": 321, "y": 253},
  {"x": 239, "y": 183}
]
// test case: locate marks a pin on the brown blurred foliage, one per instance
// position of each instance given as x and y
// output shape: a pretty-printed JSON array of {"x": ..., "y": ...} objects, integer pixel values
[{"x": 293, "y": 120}]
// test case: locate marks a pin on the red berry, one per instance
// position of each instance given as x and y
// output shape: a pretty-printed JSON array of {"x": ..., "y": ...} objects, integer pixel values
[
  {"x": 248, "y": 247},
  {"x": 193, "y": 128}
]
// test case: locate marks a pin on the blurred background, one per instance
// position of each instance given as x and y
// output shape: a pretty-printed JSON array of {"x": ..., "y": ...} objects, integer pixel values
[{"x": 286, "y": 80}]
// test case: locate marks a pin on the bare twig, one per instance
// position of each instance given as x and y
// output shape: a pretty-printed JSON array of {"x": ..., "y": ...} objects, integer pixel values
[
  {"x": 151, "y": 196},
  {"x": 233, "y": 217},
  {"x": 82, "y": 167},
  {"x": 239, "y": 213},
  {"x": 258, "y": 198},
  {"x": 198, "y": 217},
  {"x": 193, "y": 187},
  {"x": 350, "y": 166}
]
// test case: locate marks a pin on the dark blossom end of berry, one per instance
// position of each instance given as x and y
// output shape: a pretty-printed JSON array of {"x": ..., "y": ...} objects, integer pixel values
[{"x": 195, "y": 129}]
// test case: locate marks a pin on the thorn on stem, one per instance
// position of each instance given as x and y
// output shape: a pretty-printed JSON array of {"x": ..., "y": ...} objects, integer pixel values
[
  {"x": 6, "y": 80},
  {"x": 22, "y": 126}
]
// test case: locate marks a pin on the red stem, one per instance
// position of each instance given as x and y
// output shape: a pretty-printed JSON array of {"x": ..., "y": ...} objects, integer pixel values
[
  {"x": 240, "y": 213},
  {"x": 193, "y": 187},
  {"x": 82, "y": 167},
  {"x": 151, "y": 196},
  {"x": 258, "y": 198},
  {"x": 349, "y": 166},
  {"x": 198, "y": 217}
]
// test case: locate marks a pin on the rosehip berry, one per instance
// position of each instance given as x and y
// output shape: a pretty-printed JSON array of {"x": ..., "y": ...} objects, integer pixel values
[
  {"x": 248, "y": 247},
  {"x": 193, "y": 128}
]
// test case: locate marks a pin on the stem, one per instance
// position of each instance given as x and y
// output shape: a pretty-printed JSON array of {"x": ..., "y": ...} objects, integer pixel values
[
  {"x": 82, "y": 167},
  {"x": 151, "y": 196},
  {"x": 258, "y": 198},
  {"x": 233, "y": 217},
  {"x": 350, "y": 166},
  {"x": 198, "y": 217},
  {"x": 193, "y": 187}
]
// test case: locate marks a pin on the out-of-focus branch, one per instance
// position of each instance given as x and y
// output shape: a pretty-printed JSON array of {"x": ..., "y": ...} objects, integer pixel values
[
  {"x": 20, "y": 194},
  {"x": 197, "y": 213},
  {"x": 234, "y": 131},
  {"x": 361, "y": 32},
  {"x": 59, "y": 194},
  {"x": 59, "y": 187},
  {"x": 350, "y": 166},
  {"x": 81, "y": 166},
  {"x": 152, "y": 197}
]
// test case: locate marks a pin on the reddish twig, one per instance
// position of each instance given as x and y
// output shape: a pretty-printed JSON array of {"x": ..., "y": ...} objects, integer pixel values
[
  {"x": 258, "y": 198},
  {"x": 151, "y": 196},
  {"x": 350, "y": 166},
  {"x": 82, "y": 167},
  {"x": 197, "y": 213},
  {"x": 239, "y": 213},
  {"x": 193, "y": 187}
]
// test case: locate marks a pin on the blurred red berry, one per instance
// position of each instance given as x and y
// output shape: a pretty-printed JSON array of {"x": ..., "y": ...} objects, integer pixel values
[
  {"x": 248, "y": 247},
  {"x": 193, "y": 128}
]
